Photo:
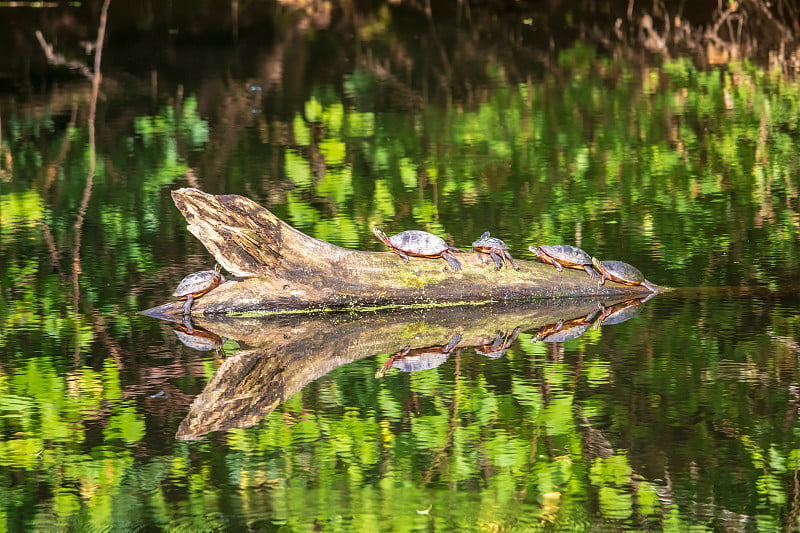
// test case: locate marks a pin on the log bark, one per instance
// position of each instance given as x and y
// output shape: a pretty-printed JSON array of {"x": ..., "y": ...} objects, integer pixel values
[{"x": 281, "y": 269}]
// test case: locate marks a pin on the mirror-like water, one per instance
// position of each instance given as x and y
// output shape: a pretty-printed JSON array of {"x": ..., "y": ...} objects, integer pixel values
[{"x": 679, "y": 412}]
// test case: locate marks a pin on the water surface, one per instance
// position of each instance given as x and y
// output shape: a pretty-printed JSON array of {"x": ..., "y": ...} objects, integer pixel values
[{"x": 675, "y": 413}]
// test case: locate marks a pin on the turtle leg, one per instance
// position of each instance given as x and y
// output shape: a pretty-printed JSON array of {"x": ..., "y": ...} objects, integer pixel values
[
  {"x": 595, "y": 317},
  {"x": 452, "y": 344},
  {"x": 601, "y": 280},
  {"x": 649, "y": 286},
  {"x": 187, "y": 307},
  {"x": 452, "y": 261},
  {"x": 511, "y": 260},
  {"x": 557, "y": 265},
  {"x": 498, "y": 341},
  {"x": 498, "y": 261},
  {"x": 401, "y": 254},
  {"x": 187, "y": 323},
  {"x": 388, "y": 364},
  {"x": 591, "y": 271}
]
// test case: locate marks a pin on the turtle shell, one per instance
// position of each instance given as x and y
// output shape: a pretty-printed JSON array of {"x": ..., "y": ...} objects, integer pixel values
[
  {"x": 419, "y": 243},
  {"x": 619, "y": 271},
  {"x": 198, "y": 283},
  {"x": 420, "y": 361},
  {"x": 490, "y": 242},
  {"x": 566, "y": 334},
  {"x": 617, "y": 314},
  {"x": 563, "y": 253},
  {"x": 201, "y": 340}
]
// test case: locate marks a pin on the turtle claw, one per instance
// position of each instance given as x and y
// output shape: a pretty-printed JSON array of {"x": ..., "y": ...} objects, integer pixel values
[
  {"x": 591, "y": 271},
  {"x": 511, "y": 260},
  {"x": 452, "y": 261}
]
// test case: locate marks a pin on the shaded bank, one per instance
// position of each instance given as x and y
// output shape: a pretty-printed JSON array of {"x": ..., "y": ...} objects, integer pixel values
[{"x": 502, "y": 33}]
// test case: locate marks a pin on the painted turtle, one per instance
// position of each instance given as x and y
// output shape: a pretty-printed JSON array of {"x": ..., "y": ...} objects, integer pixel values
[
  {"x": 419, "y": 244},
  {"x": 198, "y": 338},
  {"x": 499, "y": 346},
  {"x": 195, "y": 285},
  {"x": 418, "y": 359},
  {"x": 563, "y": 255},
  {"x": 570, "y": 329},
  {"x": 621, "y": 273},
  {"x": 496, "y": 248},
  {"x": 621, "y": 311}
]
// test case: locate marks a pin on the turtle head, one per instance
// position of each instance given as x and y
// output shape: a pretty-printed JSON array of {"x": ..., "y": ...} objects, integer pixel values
[
  {"x": 535, "y": 250},
  {"x": 597, "y": 264},
  {"x": 381, "y": 235}
]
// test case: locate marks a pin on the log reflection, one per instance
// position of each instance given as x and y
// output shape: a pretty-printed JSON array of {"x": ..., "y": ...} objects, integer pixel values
[{"x": 282, "y": 354}]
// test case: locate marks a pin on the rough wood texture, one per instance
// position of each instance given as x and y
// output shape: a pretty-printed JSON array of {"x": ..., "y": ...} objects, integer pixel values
[{"x": 282, "y": 269}]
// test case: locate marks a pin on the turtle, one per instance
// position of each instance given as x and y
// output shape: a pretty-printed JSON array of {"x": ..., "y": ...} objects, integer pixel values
[
  {"x": 619, "y": 312},
  {"x": 499, "y": 346},
  {"x": 496, "y": 248},
  {"x": 195, "y": 285},
  {"x": 621, "y": 273},
  {"x": 564, "y": 255},
  {"x": 419, "y": 244},
  {"x": 418, "y": 359},
  {"x": 570, "y": 329},
  {"x": 563, "y": 331},
  {"x": 198, "y": 338}
]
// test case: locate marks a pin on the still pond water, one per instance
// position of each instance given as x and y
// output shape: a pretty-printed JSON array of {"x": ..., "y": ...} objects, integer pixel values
[{"x": 676, "y": 413}]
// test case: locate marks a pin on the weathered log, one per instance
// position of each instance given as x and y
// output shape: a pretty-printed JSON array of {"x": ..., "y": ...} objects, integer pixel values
[{"x": 281, "y": 269}]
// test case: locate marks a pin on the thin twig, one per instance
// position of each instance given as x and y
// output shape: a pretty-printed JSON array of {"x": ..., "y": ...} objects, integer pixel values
[
  {"x": 96, "y": 78},
  {"x": 58, "y": 59}
]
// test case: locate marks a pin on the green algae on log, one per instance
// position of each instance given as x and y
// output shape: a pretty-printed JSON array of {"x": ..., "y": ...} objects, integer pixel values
[{"x": 282, "y": 269}]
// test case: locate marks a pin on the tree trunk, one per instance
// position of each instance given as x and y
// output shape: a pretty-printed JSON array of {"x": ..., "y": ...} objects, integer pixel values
[{"x": 281, "y": 269}]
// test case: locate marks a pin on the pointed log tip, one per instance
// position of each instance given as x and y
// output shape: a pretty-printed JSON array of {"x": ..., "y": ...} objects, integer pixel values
[{"x": 171, "y": 312}]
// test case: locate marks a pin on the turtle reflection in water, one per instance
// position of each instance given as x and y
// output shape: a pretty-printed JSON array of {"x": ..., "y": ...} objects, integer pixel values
[
  {"x": 195, "y": 285},
  {"x": 499, "y": 346},
  {"x": 199, "y": 338},
  {"x": 419, "y": 244},
  {"x": 563, "y": 255},
  {"x": 496, "y": 248},
  {"x": 621, "y": 311},
  {"x": 418, "y": 359},
  {"x": 565, "y": 330}
]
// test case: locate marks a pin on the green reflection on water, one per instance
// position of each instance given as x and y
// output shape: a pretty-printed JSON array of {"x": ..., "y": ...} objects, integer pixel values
[{"x": 690, "y": 175}]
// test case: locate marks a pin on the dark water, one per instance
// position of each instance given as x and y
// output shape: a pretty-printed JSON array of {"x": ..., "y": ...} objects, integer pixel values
[{"x": 680, "y": 412}]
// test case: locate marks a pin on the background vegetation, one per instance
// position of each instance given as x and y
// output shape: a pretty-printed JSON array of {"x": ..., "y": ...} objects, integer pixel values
[{"x": 685, "y": 417}]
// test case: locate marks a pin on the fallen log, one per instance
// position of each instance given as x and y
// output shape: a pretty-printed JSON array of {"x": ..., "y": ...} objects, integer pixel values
[{"x": 280, "y": 269}]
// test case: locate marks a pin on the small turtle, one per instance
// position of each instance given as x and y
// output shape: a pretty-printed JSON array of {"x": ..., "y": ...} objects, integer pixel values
[
  {"x": 418, "y": 359},
  {"x": 198, "y": 338},
  {"x": 570, "y": 329},
  {"x": 195, "y": 285},
  {"x": 499, "y": 346},
  {"x": 419, "y": 244},
  {"x": 563, "y": 255},
  {"x": 619, "y": 312},
  {"x": 561, "y": 332},
  {"x": 496, "y": 248},
  {"x": 621, "y": 273}
]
